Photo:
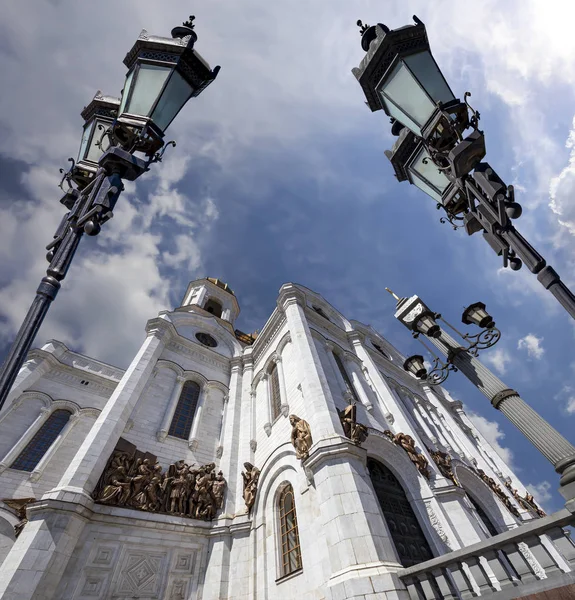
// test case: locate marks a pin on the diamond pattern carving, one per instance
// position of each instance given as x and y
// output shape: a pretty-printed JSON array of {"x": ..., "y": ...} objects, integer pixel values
[{"x": 141, "y": 574}]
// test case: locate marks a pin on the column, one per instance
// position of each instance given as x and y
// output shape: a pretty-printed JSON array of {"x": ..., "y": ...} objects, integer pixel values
[
  {"x": 263, "y": 404},
  {"x": 554, "y": 447},
  {"x": 283, "y": 391},
  {"x": 329, "y": 348},
  {"x": 171, "y": 408},
  {"x": 321, "y": 412},
  {"x": 39, "y": 468},
  {"x": 245, "y": 432},
  {"x": 358, "y": 382},
  {"x": 230, "y": 438},
  {"x": 205, "y": 398},
  {"x": 39, "y": 557}
]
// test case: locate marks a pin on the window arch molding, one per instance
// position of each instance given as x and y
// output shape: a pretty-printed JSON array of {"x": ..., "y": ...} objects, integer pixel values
[
  {"x": 499, "y": 516},
  {"x": 44, "y": 414}
]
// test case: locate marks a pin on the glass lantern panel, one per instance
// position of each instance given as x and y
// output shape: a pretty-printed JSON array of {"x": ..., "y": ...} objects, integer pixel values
[
  {"x": 85, "y": 139},
  {"x": 404, "y": 91},
  {"x": 176, "y": 93},
  {"x": 424, "y": 67},
  {"x": 427, "y": 177},
  {"x": 396, "y": 113},
  {"x": 95, "y": 151},
  {"x": 149, "y": 83},
  {"x": 126, "y": 91}
]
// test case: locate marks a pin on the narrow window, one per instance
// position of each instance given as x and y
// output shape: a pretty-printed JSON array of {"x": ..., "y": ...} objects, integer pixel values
[
  {"x": 275, "y": 393},
  {"x": 320, "y": 311},
  {"x": 290, "y": 554},
  {"x": 44, "y": 438},
  {"x": 345, "y": 376},
  {"x": 184, "y": 416},
  {"x": 213, "y": 307},
  {"x": 379, "y": 349}
]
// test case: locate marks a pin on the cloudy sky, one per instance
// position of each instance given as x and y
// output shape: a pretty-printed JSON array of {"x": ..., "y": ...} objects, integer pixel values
[{"x": 280, "y": 175}]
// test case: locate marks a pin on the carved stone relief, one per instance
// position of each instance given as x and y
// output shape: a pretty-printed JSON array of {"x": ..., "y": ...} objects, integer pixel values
[
  {"x": 18, "y": 506},
  {"x": 353, "y": 430},
  {"x": 527, "y": 501},
  {"x": 300, "y": 437},
  {"x": 443, "y": 462},
  {"x": 251, "y": 477},
  {"x": 133, "y": 479},
  {"x": 498, "y": 492},
  {"x": 436, "y": 524},
  {"x": 408, "y": 444}
]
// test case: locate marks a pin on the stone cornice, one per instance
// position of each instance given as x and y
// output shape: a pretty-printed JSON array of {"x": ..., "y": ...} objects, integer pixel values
[
  {"x": 190, "y": 349},
  {"x": 268, "y": 334}
]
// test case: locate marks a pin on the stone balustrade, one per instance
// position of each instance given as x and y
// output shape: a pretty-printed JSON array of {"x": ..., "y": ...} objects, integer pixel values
[{"x": 531, "y": 558}]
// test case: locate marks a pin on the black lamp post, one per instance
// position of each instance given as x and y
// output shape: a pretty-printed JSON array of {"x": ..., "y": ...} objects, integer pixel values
[
  {"x": 462, "y": 356},
  {"x": 440, "y": 148},
  {"x": 163, "y": 74}
]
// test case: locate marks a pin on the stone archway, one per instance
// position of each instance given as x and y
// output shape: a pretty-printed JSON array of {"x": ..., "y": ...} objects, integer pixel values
[{"x": 406, "y": 533}]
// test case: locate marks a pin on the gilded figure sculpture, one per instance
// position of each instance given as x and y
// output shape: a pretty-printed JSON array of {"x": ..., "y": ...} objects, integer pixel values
[
  {"x": 498, "y": 492},
  {"x": 443, "y": 462},
  {"x": 300, "y": 437},
  {"x": 408, "y": 444},
  {"x": 356, "y": 432},
  {"x": 251, "y": 477},
  {"x": 135, "y": 480},
  {"x": 527, "y": 501}
]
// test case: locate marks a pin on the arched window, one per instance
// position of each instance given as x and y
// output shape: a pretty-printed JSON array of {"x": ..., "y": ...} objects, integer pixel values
[
  {"x": 290, "y": 549},
  {"x": 483, "y": 516},
  {"x": 320, "y": 312},
  {"x": 213, "y": 307},
  {"x": 404, "y": 527},
  {"x": 184, "y": 415},
  {"x": 347, "y": 380},
  {"x": 42, "y": 440},
  {"x": 275, "y": 396}
]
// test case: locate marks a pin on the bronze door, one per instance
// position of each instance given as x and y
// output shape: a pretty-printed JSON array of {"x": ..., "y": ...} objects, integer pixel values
[{"x": 406, "y": 533}]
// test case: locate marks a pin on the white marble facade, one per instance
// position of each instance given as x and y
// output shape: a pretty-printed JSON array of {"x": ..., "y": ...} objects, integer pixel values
[{"x": 74, "y": 548}]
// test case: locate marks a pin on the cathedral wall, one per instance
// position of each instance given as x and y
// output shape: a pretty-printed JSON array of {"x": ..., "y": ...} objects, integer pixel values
[
  {"x": 23, "y": 484},
  {"x": 17, "y": 418},
  {"x": 132, "y": 554},
  {"x": 65, "y": 386},
  {"x": 150, "y": 410}
]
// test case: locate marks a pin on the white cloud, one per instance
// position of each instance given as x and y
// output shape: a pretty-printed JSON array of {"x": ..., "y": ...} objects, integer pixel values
[
  {"x": 491, "y": 431},
  {"x": 498, "y": 359},
  {"x": 570, "y": 405},
  {"x": 540, "y": 491},
  {"x": 532, "y": 344}
]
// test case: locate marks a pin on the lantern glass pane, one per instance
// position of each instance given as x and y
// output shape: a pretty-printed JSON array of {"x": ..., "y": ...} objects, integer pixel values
[
  {"x": 176, "y": 93},
  {"x": 94, "y": 151},
  {"x": 427, "y": 177},
  {"x": 396, "y": 113},
  {"x": 149, "y": 83},
  {"x": 126, "y": 91},
  {"x": 402, "y": 88},
  {"x": 85, "y": 139},
  {"x": 424, "y": 67}
]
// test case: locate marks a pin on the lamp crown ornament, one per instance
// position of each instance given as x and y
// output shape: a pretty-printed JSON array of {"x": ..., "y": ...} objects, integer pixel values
[
  {"x": 186, "y": 29},
  {"x": 362, "y": 27}
]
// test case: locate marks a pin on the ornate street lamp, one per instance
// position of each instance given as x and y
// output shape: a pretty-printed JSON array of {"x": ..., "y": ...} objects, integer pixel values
[
  {"x": 163, "y": 74},
  {"x": 440, "y": 147},
  {"x": 463, "y": 357}
]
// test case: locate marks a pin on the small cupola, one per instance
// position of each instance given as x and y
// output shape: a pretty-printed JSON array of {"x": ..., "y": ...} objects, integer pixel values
[{"x": 213, "y": 297}]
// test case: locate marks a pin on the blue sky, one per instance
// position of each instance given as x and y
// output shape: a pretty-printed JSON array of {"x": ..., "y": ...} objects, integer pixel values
[{"x": 280, "y": 175}]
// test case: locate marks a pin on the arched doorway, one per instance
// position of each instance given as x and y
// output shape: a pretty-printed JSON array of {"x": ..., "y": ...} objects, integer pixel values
[{"x": 404, "y": 527}]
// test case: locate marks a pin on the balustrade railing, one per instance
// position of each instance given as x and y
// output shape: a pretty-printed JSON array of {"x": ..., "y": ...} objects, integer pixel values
[{"x": 531, "y": 558}]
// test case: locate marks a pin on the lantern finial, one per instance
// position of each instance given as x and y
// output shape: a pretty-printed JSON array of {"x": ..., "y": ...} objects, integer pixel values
[
  {"x": 190, "y": 22},
  {"x": 362, "y": 28}
]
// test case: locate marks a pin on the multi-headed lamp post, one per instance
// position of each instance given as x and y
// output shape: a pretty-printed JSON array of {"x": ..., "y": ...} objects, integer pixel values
[
  {"x": 440, "y": 148},
  {"x": 121, "y": 139},
  {"x": 462, "y": 356}
]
